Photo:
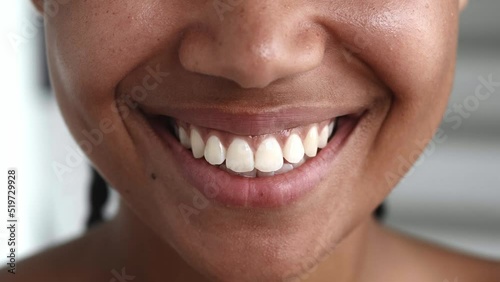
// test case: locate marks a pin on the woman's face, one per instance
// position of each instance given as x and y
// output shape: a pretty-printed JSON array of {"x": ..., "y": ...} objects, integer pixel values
[{"x": 257, "y": 72}]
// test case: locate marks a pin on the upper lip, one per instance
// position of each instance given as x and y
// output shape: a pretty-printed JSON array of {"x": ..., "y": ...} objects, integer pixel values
[
  {"x": 221, "y": 105},
  {"x": 251, "y": 122}
]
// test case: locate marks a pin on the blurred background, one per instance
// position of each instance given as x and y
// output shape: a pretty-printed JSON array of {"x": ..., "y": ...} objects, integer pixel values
[{"x": 452, "y": 196}]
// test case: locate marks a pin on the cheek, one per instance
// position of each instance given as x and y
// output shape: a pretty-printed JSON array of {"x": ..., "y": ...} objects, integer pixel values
[
  {"x": 416, "y": 60},
  {"x": 92, "y": 45},
  {"x": 410, "y": 45}
]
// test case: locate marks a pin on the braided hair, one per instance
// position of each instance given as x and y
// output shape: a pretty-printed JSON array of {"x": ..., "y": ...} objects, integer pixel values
[{"x": 98, "y": 197}]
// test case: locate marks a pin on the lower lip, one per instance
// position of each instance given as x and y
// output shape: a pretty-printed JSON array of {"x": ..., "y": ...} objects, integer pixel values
[{"x": 266, "y": 192}]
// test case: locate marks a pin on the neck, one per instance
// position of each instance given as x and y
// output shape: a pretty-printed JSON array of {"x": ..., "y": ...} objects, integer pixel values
[{"x": 146, "y": 256}]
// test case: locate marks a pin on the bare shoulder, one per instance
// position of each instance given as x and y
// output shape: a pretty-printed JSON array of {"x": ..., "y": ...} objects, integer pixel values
[
  {"x": 432, "y": 262},
  {"x": 68, "y": 262}
]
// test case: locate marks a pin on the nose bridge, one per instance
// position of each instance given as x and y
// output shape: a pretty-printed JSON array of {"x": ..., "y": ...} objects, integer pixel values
[
  {"x": 254, "y": 20},
  {"x": 253, "y": 44},
  {"x": 252, "y": 39}
]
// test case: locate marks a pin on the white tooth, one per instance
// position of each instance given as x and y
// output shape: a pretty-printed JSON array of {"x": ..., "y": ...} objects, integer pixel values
[
  {"x": 286, "y": 168},
  {"x": 176, "y": 130},
  {"x": 184, "y": 138},
  {"x": 302, "y": 161},
  {"x": 323, "y": 138},
  {"x": 215, "y": 153},
  {"x": 239, "y": 157},
  {"x": 293, "y": 150},
  {"x": 331, "y": 126},
  {"x": 197, "y": 144},
  {"x": 311, "y": 142},
  {"x": 264, "y": 174},
  {"x": 250, "y": 174},
  {"x": 269, "y": 157}
]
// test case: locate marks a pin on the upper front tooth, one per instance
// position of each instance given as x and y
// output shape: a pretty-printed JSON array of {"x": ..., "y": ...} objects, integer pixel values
[
  {"x": 197, "y": 144},
  {"x": 311, "y": 142},
  {"x": 239, "y": 157},
  {"x": 269, "y": 156},
  {"x": 331, "y": 126},
  {"x": 215, "y": 153},
  {"x": 323, "y": 138},
  {"x": 184, "y": 138},
  {"x": 293, "y": 150}
]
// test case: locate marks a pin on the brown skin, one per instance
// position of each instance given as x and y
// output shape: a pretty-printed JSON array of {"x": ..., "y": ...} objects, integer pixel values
[{"x": 394, "y": 57}]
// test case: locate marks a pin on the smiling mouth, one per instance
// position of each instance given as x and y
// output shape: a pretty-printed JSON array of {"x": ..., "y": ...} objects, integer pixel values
[
  {"x": 244, "y": 170},
  {"x": 254, "y": 156}
]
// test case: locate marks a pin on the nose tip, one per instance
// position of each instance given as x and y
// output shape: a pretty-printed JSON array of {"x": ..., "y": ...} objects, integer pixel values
[{"x": 253, "y": 50}]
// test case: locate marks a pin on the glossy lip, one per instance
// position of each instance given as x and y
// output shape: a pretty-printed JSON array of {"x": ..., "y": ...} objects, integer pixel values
[{"x": 267, "y": 192}]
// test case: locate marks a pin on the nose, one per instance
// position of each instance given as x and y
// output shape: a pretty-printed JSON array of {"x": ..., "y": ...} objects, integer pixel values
[{"x": 253, "y": 43}]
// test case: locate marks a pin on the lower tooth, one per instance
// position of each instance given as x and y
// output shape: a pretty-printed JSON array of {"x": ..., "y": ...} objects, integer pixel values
[
  {"x": 250, "y": 174},
  {"x": 265, "y": 174},
  {"x": 284, "y": 169},
  {"x": 287, "y": 167},
  {"x": 299, "y": 163}
]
